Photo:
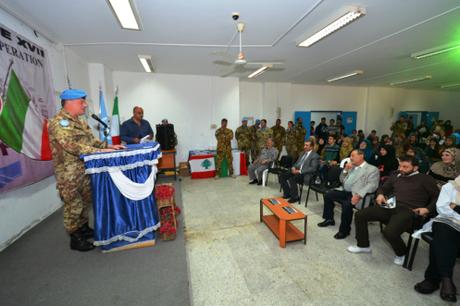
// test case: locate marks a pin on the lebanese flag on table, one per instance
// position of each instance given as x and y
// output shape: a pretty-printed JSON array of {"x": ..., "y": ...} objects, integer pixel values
[{"x": 202, "y": 166}]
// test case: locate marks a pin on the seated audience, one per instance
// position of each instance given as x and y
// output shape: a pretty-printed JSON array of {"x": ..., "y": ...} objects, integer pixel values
[
  {"x": 414, "y": 193},
  {"x": 432, "y": 150},
  {"x": 302, "y": 171},
  {"x": 358, "y": 178},
  {"x": 346, "y": 148},
  {"x": 422, "y": 159},
  {"x": 330, "y": 153},
  {"x": 366, "y": 147},
  {"x": 444, "y": 248},
  {"x": 386, "y": 161},
  {"x": 263, "y": 162},
  {"x": 447, "y": 168},
  {"x": 321, "y": 145},
  {"x": 136, "y": 128}
]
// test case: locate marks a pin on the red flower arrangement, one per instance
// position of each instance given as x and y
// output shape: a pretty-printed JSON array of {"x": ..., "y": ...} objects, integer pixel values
[{"x": 164, "y": 192}]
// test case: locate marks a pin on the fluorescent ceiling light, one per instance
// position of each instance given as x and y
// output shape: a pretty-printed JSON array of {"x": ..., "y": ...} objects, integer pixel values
[
  {"x": 426, "y": 77},
  {"x": 434, "y": 51},
  {"x": 450, "y": 85},
  {"x": 125, "y": 13},
  {"x": 258, "y": 72},
  {"x": 340, "y": 77},
  {"x": 332, "y": 27},
  {"x": 146, "y": 62}
]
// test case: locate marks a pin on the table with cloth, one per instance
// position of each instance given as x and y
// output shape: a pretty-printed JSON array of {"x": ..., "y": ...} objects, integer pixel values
[
  {"x": 202, "y": 163},
  {"x": 125, "y": 212}
]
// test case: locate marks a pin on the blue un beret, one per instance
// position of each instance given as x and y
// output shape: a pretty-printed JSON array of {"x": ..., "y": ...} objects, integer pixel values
[{"x": 71, "y": 94}]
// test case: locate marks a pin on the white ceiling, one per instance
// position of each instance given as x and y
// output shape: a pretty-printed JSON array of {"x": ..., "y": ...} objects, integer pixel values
[{"x": 182, "y": 35}]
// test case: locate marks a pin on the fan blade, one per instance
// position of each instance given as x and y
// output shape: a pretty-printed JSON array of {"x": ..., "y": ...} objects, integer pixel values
[
  {"x": 228, "y": 73},
  {"x": 224, "y": 63}
]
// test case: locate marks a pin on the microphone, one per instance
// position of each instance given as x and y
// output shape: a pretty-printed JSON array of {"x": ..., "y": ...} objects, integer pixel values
[{"x": 95, "y": 117}]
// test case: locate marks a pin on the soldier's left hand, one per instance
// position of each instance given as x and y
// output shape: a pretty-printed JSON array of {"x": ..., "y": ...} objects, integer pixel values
[{"x": 116, "y": 147}]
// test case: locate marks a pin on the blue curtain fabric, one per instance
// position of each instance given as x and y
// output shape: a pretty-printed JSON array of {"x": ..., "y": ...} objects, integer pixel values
[{"x": 119, "y": 221}]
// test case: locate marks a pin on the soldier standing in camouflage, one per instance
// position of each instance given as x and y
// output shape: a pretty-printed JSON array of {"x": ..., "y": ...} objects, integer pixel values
[
  {"x": 301, "y": 133},
  {"x": 279, "y": 132},
  {"x": 71, "y": 136},
  {"x": 262, "y": 135},
  {"x": 224, "y": 138},
  {"x": 291, "y": 141},
  {"x": 253, "y": 129},
  {"x": 243, "y": 137}
]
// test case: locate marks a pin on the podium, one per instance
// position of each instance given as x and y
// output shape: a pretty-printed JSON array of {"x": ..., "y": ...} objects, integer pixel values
[{"x": 125, "y": 211}]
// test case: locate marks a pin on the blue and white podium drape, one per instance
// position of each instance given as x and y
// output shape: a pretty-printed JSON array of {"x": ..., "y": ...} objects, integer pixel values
[{"x": 122, "y": 182}]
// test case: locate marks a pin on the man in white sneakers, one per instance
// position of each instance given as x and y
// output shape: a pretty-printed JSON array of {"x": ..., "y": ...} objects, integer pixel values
[{"x": 413, "y": 193}]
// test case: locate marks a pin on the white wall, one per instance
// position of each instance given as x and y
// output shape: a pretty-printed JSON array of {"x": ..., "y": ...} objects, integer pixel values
[
  {"x": 191, "y": 103},
  {"x": 23, "y": 208}
]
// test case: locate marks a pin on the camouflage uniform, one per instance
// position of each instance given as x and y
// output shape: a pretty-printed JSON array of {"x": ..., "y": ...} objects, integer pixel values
[
  {"x": 291, "y": 142},
  {"x": 262, "y": 135},
  {"x": 244, "y": 139},
  {"x": 279, "y": 133},
  {"x": 254, "y": 150},
  {"x": 224, "y": 138},
  {"x": 70, "y": 137},
  {"x": 301, "y": 132}
]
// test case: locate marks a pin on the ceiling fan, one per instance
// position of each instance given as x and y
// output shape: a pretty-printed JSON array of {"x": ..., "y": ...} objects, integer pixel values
[{"x": 240, "y": 64}]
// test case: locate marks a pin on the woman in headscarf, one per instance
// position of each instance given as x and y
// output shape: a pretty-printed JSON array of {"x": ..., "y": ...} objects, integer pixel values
[
  {"x": 445, "y": 245},
  {"x": 386, "y": 161},
  {"x": 448, "y": 168},
  {"x": 366, "y": 146},
  {"x": 346, "y": 148}
]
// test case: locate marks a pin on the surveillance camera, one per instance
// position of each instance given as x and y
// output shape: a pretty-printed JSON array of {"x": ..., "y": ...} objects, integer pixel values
[{"x": 235, "y": 16}]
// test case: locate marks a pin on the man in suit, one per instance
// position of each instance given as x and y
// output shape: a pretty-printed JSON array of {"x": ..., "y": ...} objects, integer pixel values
[
  {"x": 358, "y": 179},
  {"x": 302, "y": 171}
]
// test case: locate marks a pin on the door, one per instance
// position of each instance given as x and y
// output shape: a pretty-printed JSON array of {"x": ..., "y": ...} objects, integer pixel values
[{"x": 349, "y": 121}]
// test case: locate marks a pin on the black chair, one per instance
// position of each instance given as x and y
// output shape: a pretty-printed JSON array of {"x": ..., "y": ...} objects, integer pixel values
[
  {"x": 331, "y": 181},
  {"x": 280, "y": 166},
  {"x": 417, "y": 223}
]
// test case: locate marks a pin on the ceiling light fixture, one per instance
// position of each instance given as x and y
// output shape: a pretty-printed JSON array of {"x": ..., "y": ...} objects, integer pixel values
[
  {"x": 125, "y": 12},
  {"x": 146, "y": 62},
  {"x": 426, "y": 77},
  {"x": 258, "y": 72},
  {"x": 434, "y": 51},
  {"x": 332, "y": 27},
  {"x": 344, "y": 76},
  {"x": 450, "y": 85}
]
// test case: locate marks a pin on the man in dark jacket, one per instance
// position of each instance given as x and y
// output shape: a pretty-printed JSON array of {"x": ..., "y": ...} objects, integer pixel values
[
  {"x": 303, "y": 169},
  {"x": 413, "y": 193}
]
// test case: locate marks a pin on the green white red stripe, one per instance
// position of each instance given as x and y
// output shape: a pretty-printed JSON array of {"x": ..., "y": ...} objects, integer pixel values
[
  {"x": 115, "y": 123},
  {"x": 23, "y": 128}
]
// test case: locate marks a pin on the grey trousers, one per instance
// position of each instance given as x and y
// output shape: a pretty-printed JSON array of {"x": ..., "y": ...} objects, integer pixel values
[{"x": 255, "y": 171}]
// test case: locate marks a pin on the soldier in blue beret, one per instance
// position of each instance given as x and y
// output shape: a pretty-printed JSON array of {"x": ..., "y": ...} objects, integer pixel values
[{"x": 70, "y": 136}]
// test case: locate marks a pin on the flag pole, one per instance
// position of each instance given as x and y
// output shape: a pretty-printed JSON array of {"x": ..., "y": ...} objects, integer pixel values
[{"x": 6, "y": 78}]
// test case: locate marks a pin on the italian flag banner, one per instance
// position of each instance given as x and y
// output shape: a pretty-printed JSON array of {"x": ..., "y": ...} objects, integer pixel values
[
  {"x": 115, "y": 123},
  {"x": 27, "y": 103},
  {"x": 23, "y": 128}
]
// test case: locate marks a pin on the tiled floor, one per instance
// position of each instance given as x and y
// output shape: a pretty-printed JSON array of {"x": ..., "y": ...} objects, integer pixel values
[{"x": 235, "y": 260}]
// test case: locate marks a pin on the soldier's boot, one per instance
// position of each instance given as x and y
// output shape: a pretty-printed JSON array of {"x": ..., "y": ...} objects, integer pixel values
[
  {"x": 79, "y": 243},
  {"x": 87, "y": 231}
]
